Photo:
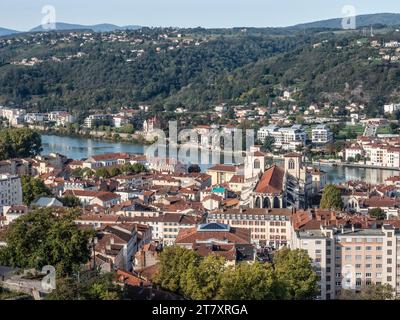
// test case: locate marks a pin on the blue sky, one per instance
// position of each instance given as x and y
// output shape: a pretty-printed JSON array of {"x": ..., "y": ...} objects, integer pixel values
[{"x": 25, "y": 14}]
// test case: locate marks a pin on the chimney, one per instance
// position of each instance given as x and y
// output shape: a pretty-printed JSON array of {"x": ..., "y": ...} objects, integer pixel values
[
  {"x": 111, "y": 240},
  {"x": 352, "y": 227},
  {"x": 108, "y": 246},
  {"x": 342, "y": 229}
]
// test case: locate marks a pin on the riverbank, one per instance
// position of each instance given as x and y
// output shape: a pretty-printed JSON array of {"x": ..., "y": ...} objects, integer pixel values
[
  {"x": 354, "y": 165},
  {"x": 339, "y": 164},
  {"x": 135, "y": 138}
]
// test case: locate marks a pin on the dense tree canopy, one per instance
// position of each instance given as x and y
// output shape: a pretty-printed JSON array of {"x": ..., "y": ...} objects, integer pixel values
[
  {"x": 331, "y": 198},
  {"x": 32, "y": 189},
  {"x": 290, "y": 276},
  {"x": 378, "y": 213},
  {"x": 19, "y": 143},
  {"x": 41, "y": 238},
  {"x": 370, "y": 292},
  {"x": 294, "y": 274},
  {"x": 92, "y": 285},
  {"x": 226, "y": 65}
]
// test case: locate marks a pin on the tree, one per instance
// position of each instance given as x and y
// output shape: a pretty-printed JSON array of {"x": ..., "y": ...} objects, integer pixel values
[
  {"x": 71, "y": 202},
  {"x": 103, "y": 173},
  {"x": 202, "y": 282},
  {"x": 82, "y": 172},
  {"x": 19, "y": 143},
  {"x": 294, "y": 274},
  {"x": 32, "y": 189},
  {"x": 174, "y": 263},
  {"x": 377, "y": 213},
  {"x": 41, "y": 238},
  {"x": 127, "y": 128},
  {"x": 92, "y": 285},
  {"x": 331, "y": 198},
  {"x": 268, "y": 144},
  {"x": 370, "y": 292},
  {"x": 194, "y": 168},
  {"x": 114, "y": 172},
  {"x": 248, "y": 282},
  {"x": 133, "y": 168}
]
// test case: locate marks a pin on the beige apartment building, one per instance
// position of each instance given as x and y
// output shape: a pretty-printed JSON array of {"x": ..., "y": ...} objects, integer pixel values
[
  {"x": 267, "y": 226},
  {"x": 351, "y": 258}
]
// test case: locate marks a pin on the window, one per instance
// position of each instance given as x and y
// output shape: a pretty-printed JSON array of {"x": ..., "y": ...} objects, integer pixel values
[
  {"x": 368, "y": 248},
  {"x": 368, "y": 275},
  {"x": 358, "y": 248},
  {"x": 291, "y": 164}
]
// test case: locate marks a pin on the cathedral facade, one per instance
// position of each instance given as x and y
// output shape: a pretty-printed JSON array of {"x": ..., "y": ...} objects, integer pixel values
[{"x": 289, "y": 186}]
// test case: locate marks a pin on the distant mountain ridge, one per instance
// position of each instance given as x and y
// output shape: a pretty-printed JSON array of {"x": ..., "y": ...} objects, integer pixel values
[
  {"x": 6, "y": 32},
  {"x": 104, "y": 27},
  {"x": 389, "y": 19}
]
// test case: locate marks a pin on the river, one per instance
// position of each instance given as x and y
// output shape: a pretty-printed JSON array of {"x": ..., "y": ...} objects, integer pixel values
[{"x": 80, "y": 148}]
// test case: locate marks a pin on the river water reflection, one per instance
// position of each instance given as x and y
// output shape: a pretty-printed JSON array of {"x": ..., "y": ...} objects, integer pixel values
[{"x": 80, "y": 148}]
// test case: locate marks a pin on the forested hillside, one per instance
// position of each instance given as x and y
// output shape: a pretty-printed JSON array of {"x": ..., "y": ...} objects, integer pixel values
[{"x": 195, "y": 68}]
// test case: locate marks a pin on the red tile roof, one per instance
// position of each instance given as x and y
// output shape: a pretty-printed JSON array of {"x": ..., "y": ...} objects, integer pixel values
[
  {"x": 271, "y": 181},
  {"x": 234, "y": 235},
  {"x": 223, "y": 167},
  {"x": 109, "y": 156}
]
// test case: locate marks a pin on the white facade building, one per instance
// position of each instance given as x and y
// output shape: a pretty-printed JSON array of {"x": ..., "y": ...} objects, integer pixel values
[
  {"x": 285, "y": 138},
  {"x": 10, "y": 190},
  {"x": 322, "y": 135},
  {"x": 391, "y": 108}
]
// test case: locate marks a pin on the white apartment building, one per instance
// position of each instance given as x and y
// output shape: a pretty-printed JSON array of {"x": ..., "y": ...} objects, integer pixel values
[
  {"x": 285, "y": 138},
  {"x": 391, "y": 108},
  {"x": 92, "y": 120},
  {"x": 61, "y": 118},
  {"x": 352, "y": 152},
  {"x": 351, "y": 258},
  {"x": 322, "y": 135},
  {"x": 13, "y": 116},
  {"x": 33, "y": 118},
  {"x": 10, "y": 190},
  {"x": 383, "y": 156}
]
